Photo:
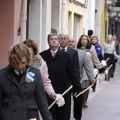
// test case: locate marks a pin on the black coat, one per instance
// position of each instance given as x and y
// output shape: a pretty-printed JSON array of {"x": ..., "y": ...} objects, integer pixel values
[
  {"x": 21, "y": 101},
  {"x": 61, "y": 71},
  {"x": 75, "y": 60},
  {"x": 1, "y": 115}
]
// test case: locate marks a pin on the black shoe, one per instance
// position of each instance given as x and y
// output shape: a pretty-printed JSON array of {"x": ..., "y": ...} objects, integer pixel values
[
  {"x": 111, "y": 75},
  {"x": 93, "y": 90}
]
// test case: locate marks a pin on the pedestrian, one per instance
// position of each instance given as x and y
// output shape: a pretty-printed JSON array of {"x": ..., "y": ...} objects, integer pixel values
[
  {"x": 21, "y": 88},
  {"x": 64, "y": 40},
  {"x": 110, "y": 52},
  {"x": 72, "y": 42},
  {"x": 83, "y": 64},
  {"x": 98, "y": 48},
  {"x": 61, "y": 73},
  {"x": 90, "y": 33},
  {"x": 39, "y": 63},
  {"x": 116, "y": 42},
  {"x": 84, "y": 44}
]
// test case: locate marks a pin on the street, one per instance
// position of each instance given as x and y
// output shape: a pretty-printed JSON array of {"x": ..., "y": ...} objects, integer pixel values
[{"x": 104, "y": 103}]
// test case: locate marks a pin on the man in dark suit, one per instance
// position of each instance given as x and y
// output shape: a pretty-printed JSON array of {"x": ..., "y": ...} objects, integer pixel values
[
  {"x": 80, "y": 61},
  {"x": 61, "y": 73},
  {"x": 64, "y": 40},
  {"x": 21, "y": 88}
]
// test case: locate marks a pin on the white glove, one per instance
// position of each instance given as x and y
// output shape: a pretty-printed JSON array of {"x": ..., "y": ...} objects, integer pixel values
[
  {"x": 103, "y": 63},
  {"x": 106, "y": 71},
  {"x": 95, "y": 72},
  {"x": 33, "y": 119},
  {"x": 60, "y": 100}
]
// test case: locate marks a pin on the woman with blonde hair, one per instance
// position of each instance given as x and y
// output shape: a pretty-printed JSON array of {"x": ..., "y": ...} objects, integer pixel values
[{"x": 110, "y": 52}]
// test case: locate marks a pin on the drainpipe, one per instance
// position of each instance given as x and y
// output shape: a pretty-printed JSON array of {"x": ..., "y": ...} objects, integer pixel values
[
  {"x": 23, "y": 20},
  {"x": 63, "y": 18}
]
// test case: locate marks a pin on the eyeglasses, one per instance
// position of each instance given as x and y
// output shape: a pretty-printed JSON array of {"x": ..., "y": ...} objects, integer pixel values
[{"x": 83, "y": 39}]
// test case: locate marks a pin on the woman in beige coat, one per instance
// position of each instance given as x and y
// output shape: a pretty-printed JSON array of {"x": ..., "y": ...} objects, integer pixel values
[{"x": 85, "y": 45}]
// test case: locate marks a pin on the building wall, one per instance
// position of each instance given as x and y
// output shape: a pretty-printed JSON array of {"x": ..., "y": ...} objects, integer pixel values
[
  {"x": 9, "y": 15},
  {"x": 55, "y": 15},
  {"x": 34, "y": 21},
  {"x": 75, "y": 14},
  {"x": 98, "y": 20},
  {"x": 103, "y": 23},
  {"x": 91, "y": 15}
]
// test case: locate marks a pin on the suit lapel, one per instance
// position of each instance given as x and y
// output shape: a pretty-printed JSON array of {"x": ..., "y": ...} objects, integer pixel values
[{"x": 10, "y": 75}]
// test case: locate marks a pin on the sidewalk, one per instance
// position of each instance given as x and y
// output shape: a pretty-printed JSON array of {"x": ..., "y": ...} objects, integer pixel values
[
  {"x": 104, "y": 104},
  {"x": 100, "y": 86}
]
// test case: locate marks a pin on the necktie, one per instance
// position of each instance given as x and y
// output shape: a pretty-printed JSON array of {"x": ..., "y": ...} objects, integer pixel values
[
  {"x": 63, "y": 49},
  {"x": 53, "y": 53}
]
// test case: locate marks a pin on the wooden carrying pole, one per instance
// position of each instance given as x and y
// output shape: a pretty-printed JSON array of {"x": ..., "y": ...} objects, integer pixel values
[{"x": 90, "y": 85}]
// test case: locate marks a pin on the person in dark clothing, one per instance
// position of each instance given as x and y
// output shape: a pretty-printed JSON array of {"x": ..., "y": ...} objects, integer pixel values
[
  {"x": 1, "y": 114},
  {"x": 61, "y": 73},
  {"x": 116, "y": 42},
  {"x": 98, "y": 48},
  {"x": 64, "y": 40},
  {"x": 90, "y": 33},
  {"x": 21, "y": 88}
]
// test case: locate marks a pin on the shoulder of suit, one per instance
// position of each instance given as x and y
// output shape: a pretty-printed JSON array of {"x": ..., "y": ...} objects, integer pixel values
[
  {"x": 73, "y": 49},
  {"x": 1, "y": 70},
  {"x": 64, "y": 53},
  {"x": 43, "y": 52}
]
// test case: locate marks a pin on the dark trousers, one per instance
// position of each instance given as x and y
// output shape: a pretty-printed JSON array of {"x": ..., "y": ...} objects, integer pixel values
[
  {"x": 77, "y": 106},
  {"x": 59, "y": 113}
]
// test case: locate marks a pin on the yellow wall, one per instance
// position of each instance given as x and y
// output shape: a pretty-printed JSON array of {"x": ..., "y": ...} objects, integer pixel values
[
  {"x": 72, "y": 9},
  {"x": 103, "y": 23}
]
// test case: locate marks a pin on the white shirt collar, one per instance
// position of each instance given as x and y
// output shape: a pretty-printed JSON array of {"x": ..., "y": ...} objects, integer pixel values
[
  {"x": 55, "y": 50},
  {"x": 64, "y": 48}
]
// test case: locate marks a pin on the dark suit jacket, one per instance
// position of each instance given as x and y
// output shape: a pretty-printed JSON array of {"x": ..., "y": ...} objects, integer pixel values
[
  {"x": 61, "y": 71},
  {"x": 1, "y": 115},
  {"x": 74, "y": 56},
  {"x": 21, "y": 101}
]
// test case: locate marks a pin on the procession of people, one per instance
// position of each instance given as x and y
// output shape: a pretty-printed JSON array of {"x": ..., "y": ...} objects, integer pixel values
[{"x": 33, "y": 81}]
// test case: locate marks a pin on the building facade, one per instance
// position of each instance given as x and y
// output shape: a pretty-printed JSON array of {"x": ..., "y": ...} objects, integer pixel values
[{"x": 35, "y": 19}]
